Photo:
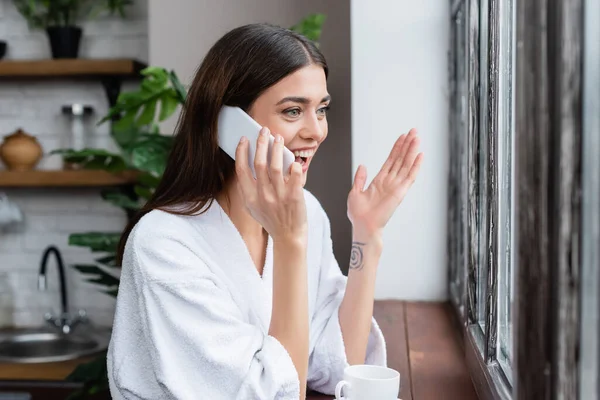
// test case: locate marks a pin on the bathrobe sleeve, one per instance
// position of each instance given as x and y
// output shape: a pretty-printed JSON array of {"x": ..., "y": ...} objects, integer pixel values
[
  {"x": 328, "y": 358},
  {"x": 200, "y": 345}
]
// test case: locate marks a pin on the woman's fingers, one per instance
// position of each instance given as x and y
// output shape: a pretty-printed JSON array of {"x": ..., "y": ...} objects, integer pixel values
[
  {"x": 414, "y": 171},
  {"x": 295, "y": 178},
  {"x": 394, "y": 153},
  {"x": 409, "y": 160},
  {"x": 360, "y": 178},
  {"x": 403, "y": 151},
  {"x": 242, "y": 168},
  {"x": 277, "y": 165},
  {"x": 260, "y": 158}
]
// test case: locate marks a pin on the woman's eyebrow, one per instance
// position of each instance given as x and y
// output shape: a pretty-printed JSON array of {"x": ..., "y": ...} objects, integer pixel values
[{"x": 301, "y": 100}]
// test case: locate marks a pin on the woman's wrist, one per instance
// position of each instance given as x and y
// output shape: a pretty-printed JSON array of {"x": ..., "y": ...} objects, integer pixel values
[
  {"x": 292, "y": 241},
  {"x": 367, "y": 236}
]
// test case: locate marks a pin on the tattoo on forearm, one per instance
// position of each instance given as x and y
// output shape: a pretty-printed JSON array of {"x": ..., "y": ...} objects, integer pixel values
[{"x": 356, "y": 257}]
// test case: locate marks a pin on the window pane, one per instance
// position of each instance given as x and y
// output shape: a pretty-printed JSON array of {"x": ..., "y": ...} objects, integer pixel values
[
  {"x": 506, "y": 184},
  {"x": 458, "y": 83},
  {"x": 589, "y": 368},
  {"x": 481, "y": 271}
]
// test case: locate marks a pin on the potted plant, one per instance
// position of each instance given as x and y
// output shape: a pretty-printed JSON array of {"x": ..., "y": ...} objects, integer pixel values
[{"x": 60, "y": 17}]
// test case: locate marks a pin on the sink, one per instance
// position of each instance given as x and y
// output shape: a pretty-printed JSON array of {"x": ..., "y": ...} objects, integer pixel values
[{"x": 39, "y": 346}]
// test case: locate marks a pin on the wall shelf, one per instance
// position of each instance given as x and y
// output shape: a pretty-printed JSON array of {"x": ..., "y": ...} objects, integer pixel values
[
  {"x": 110, "y": 72},
  {"x": 70, "y": 68},
  {"x": 65, "y": 178}
]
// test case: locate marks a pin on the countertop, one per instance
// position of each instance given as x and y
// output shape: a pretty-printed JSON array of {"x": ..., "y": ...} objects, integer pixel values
[
  {"x": 53, "y": 371},
  {"x": 48, "y": 371}
]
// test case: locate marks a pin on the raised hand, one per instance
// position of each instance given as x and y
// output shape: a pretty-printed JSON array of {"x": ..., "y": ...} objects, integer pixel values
[
  {"x": 369, "y": 210},
  {"x": 275, "y": 201}
]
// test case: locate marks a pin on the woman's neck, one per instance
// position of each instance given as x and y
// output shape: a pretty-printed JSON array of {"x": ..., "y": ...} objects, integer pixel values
[{"x": 232, "y": 203}]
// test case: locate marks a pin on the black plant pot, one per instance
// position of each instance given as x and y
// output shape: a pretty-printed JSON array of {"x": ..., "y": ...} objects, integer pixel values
[{"x": 64, "y": 41}]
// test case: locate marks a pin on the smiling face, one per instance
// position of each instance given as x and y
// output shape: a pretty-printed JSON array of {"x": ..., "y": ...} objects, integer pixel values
[{"x": 296, "y": 108}]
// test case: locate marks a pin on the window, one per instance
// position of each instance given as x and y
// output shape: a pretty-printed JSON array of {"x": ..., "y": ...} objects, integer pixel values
[
  {"x": 481, "y": 179},
  {"x": 524, "y": 199}
]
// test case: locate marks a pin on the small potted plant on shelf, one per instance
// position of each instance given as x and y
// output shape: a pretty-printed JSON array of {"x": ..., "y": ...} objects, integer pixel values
[{"x": 60, "y": 17}]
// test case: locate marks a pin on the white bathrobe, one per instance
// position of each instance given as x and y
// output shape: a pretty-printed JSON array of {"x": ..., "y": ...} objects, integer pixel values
[{"x": 193, "y": 314}]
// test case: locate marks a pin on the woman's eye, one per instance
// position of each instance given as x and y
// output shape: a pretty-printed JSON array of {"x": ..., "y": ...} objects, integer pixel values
[
  {"x": 292, "y": 113},
  {"x": 323, "y": 111}
]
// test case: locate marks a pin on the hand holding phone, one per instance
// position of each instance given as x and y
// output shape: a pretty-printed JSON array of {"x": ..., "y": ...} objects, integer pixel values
[
  {"x": 275, "y": 201},
  {"x": 234, "y": 123}
]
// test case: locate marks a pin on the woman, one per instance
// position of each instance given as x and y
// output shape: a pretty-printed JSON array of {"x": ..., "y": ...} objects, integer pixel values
[{"x": 229, "y": 287}]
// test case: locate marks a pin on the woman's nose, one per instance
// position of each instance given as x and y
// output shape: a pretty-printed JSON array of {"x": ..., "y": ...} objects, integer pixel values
[{"x": 313, "y": 129}]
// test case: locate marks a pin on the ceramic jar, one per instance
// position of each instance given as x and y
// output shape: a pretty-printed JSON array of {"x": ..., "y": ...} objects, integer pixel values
[{"x": 20, "y": 151}]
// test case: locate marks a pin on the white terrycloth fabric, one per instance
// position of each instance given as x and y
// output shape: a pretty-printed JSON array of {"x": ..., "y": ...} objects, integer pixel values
[{"x": 193, "y": 314}]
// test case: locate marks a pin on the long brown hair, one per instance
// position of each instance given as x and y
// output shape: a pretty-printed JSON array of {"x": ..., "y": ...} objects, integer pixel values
[{"x": 236, "y": 70}]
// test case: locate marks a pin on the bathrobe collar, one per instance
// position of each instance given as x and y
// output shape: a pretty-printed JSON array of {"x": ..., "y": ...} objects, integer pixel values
[{"x": 228, "y": 247}]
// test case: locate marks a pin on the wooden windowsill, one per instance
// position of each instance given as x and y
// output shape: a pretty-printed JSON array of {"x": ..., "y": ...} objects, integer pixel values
[{"x": 425, "y": 347}]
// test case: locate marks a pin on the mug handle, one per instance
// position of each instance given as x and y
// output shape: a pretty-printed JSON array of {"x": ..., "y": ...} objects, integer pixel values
[{"x": 338, "y": 389}]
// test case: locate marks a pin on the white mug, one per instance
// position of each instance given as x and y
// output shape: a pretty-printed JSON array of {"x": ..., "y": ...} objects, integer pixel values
[{"x": 367, "y": 382}]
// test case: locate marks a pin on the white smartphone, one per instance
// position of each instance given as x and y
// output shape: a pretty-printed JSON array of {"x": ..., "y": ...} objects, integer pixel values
[{"x": 234, "y": 123}]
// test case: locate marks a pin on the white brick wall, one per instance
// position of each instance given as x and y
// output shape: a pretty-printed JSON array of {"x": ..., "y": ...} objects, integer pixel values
[{"x": 52, "y": 214}]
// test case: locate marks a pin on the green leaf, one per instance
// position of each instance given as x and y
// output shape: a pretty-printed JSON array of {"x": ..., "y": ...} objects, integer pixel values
[
  {"x": 150, "y": 159},
  {"x": 169, "y": 103},
  {"x": 181, "y": 92},
  {"x": 156, "y": 72},
  {"x": 94, "y": 370},
  {"x": 100, "y": 277},
  {"x": 148, "y": 180},
  {"x": 120, "y": 200},
  {"x": 126, "y": 122},
  {"x": 105, "y": 280},
  {"x": 148, "y": 113},
  {"x": 143, "y": 192},
  {"x": 125, "y": 136},
  {"x": 131, "y": 98},
  {"x": 77, "y": 395},
  {"x": 156, "y": 79},
  {"x": 154, "y": 87},
  {"x": 311, "y": 26},
  {"x": 155, "y": 129},
  {"x": 109, "y": 261},
  {"x": 129, "y": 104},
  {"x": 93, "y": 159},
  {"x": 150, "y": 153},
  {"x": 44, "y": 13},
  {"x": 96, "y": 241}
]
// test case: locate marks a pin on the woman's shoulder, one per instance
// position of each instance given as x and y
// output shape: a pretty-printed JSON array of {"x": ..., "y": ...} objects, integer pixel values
[
  {"x": 161, "y": 223},
  {"x": 162, "y": 247},
  {"x": 159, "y": 226}
]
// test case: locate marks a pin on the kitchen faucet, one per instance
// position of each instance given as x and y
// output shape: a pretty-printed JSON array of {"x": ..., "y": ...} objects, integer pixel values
[{"x": 64, "y": 321}]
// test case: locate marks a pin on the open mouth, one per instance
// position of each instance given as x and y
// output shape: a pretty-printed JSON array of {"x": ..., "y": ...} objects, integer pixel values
[
  {"x": 303, "y": 157},
  {"x": 301, "y": 160}
]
